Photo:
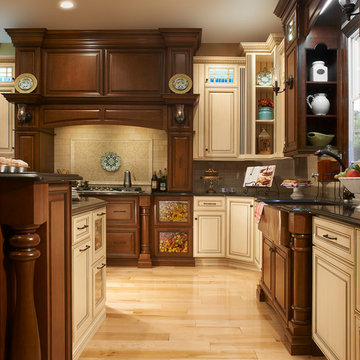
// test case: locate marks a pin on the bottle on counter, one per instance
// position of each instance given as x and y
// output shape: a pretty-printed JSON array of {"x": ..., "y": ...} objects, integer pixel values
[
  {"x": 154, "y": 182},
  {"x": 162, "y": 183}
]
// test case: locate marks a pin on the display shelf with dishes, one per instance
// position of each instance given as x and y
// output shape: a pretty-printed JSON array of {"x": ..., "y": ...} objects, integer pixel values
[
  {"x": 265, "y": 106},
  {"x": 321, "y": 94}
]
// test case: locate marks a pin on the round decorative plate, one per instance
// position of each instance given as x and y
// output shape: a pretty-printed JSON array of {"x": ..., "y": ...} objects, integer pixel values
[
  {"x": 180, "y": 83},
  {"x": 264, "y": 78},
  {"x": 110, "y": 161},
  {"x": 25, "y": 83}
]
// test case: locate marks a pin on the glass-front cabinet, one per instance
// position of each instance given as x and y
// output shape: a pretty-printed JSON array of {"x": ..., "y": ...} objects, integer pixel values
[
  {"x": 99, "y": 236},
  {"x": 172, "y": 229}
]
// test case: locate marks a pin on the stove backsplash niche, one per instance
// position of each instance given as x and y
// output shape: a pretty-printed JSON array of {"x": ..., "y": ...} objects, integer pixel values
[{"x": 141, "y": 150}]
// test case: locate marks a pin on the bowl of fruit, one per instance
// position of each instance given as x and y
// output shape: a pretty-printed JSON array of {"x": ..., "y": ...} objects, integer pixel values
[{"x": 350, "y": 178}]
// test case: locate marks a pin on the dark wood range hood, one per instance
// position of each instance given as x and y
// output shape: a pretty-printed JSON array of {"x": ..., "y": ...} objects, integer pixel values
[{"x": 105, "y": 77}]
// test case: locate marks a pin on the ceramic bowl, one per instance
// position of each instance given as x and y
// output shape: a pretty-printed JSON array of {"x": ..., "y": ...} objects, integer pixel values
[
  {"x": 319, "y": 139},
  {"x": 351, "y": 183}
]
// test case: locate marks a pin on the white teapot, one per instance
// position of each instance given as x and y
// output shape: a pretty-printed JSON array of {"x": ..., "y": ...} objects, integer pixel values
[{"x": 319, "y": 104}]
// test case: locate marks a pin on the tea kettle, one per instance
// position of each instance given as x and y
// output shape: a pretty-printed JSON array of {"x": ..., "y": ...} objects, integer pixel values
[{"x": 127, "y": 179}]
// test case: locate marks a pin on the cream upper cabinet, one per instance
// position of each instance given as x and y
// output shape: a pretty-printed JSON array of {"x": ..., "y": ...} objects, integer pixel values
[
  {"x": 226, "y": 120},
  {"x": 240, "y": 228},
  {"x": 217, "y": 118},
  {"x": 7, "y": 72}
]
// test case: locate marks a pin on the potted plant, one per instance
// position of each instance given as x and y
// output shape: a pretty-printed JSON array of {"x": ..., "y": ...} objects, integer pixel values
[{"x": 266, "y": 109}]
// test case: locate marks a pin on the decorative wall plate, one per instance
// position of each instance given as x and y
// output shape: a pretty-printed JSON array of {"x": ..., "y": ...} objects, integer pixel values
[
  {"x": 25, "y": 83},
  {"x": 110, "y": 161},
  {"x": 180, "y": 83},
  {"x": 264, "y": 78}
]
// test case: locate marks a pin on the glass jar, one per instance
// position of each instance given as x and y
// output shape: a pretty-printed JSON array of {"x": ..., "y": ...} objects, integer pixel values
[
  {"x": 328, "y": 167},
  {"x": 264, "y": 143}
]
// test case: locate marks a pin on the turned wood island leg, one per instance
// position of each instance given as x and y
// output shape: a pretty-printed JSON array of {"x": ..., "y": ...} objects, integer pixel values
[
  {"x": 25, "y": 341},
  {"x": 145, "y": 258}
]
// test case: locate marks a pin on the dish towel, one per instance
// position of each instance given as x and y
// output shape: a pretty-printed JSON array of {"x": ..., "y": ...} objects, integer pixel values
[{"x": 258, "y": 211}]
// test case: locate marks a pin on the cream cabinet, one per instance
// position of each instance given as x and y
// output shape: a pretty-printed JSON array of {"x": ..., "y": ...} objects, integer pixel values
[
  {"x": 219, "y": 116},
  {"x": 7, "y": 113},
  {"x": 224, "y": 227},
  {"x": 240, "y": 228},
  {"x": 209, "y": 226},
  {"x": 333, "y": 317},
  {"x": 88, "y": 276}
]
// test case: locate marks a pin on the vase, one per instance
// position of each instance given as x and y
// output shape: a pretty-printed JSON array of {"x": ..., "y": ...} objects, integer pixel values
[
  {"x": 265, "y": 113},
  {"x": 319, "y": 104}
]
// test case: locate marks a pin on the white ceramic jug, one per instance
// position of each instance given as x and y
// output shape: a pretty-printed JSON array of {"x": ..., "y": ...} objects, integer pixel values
[{"x": 319, "y": 104}]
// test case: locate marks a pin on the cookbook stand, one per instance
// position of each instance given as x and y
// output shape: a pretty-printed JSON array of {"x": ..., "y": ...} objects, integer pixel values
[
  {"x": 259, "y": 179},
  {"x": 252, "y": 189}
]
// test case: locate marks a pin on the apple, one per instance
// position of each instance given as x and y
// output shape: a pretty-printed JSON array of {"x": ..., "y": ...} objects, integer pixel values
[{"x": 352, "y": 173}]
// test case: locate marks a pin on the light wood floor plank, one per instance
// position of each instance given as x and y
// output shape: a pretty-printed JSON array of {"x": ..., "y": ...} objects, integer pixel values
[{"x": 176, "y": 313}]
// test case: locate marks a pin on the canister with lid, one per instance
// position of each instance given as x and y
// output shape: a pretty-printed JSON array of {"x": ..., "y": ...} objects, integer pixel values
[{"x": 318, "y": 71}]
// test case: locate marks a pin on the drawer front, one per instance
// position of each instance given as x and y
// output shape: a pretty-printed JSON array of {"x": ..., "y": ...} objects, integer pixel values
[
  {"x": 335, "y": 237},
  {"x": 81, "y": 227},
  {"x": 122, "y": 243},
  {"x": 209, "y": 202},
  {"x": 122, "y": 212}
]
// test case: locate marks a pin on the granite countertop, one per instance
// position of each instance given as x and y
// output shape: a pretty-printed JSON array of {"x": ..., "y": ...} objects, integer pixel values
[
  {"x": 86, "y": 204},
  {"x": 43, "y": 177}
]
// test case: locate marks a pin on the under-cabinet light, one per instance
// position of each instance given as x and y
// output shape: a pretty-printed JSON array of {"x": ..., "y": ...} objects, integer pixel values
[{"x": 66, "y": 5}]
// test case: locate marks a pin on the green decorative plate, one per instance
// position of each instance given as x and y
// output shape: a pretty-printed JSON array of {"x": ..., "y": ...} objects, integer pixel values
[{"x": 110, "y": 161}]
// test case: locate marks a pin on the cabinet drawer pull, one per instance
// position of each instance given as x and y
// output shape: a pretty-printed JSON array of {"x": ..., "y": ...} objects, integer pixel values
[
  {"x": 210, "y": 203},
  {"x": 272, "y": 249},
  {"x": 101, "y": 214},
  {"x": 119, "y": 211},
  {"x": 87, "y": 247},
  {"x": 327, "y": 236},
  {"x": 83, "y": 227},
  {"x": 101, "y": 267}
]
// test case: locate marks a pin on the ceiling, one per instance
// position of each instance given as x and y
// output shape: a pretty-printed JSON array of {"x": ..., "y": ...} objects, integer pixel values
[{"x": 222, "y": 21}]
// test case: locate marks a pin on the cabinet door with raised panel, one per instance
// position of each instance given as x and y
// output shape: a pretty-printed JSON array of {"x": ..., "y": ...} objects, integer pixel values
[
  {"x": 221, "y": 122},
  {"x": 239, "y": 229},
  {"x": 98, "y": 285},
  {"x": 209, "y": 234},
  {"x": 333, "y": 306},
  {"x": 267, "y": 266},
  {"x": 81, "y": 288}
]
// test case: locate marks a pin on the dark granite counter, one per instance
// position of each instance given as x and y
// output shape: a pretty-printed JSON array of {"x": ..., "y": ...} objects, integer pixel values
[
  {"x": 35, "y": 176},
  {"x": 347, "y": 213},
  {"x": 86, "y": 204}
]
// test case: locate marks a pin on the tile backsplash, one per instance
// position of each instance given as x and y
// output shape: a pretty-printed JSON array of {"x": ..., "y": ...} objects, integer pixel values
[{"x": 79, "y": 149}]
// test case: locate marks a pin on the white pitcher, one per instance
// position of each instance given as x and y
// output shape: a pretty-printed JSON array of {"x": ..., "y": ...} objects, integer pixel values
[{"x": 319, "y": 104}]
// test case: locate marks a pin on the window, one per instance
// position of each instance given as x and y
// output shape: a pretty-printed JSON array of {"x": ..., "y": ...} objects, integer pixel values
[
  {"x": 221, "y": 75},
  {"x": 354, "y": 96},
  {"x": 6, "y": 74}
]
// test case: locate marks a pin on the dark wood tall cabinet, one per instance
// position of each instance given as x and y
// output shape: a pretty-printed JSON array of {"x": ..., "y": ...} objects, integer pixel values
[
  {"x": 105, "y": 77},
  {"x": 310, "y": 37}
]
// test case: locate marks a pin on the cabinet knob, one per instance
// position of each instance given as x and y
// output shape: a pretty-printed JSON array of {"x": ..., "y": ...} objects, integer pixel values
[
  {"x": 206, "y": 149},
  {"x": 195, "y": 219},
  {"x": 251, "y": 206}
]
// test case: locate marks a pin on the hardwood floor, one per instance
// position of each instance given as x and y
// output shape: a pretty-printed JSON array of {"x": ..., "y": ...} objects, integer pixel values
[{"x": 178, "y": 313}]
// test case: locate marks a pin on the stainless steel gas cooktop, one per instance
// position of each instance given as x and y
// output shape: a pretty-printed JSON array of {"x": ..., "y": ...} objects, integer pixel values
[{"x": 108, "y": 190}]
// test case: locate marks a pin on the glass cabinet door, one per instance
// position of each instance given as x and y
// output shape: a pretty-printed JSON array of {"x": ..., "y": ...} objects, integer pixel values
[
  {"x": 174, "y": 212},
  {"x": 99, "y": 223},
  {"x": 99, "y": 283}
]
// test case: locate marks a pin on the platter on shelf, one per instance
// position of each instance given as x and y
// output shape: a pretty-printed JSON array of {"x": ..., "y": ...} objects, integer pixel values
[
  {"x": 180, "y": 83},
  {"x": 25, "y": 83}
]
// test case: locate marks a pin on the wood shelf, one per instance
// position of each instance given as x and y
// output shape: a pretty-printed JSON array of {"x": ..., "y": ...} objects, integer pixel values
[
  {"x": 265, "y": 121},
  {"x": 321, "y": 82},
  {"x": 321, "y": 116}
]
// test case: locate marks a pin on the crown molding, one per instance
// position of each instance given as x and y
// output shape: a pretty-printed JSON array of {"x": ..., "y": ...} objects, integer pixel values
[
  {"x": 273, "y": 40},
  {"x": 239, "y": 60}
]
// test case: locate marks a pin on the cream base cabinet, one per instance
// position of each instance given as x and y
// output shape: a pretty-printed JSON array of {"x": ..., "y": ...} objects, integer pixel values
[
  {"x": 209, "y": 226},
  {"x": 81, "y": 288},
  {"x": 88, "y": 276},
  {"x": 333, "y": 281},
  {"x": 240, "y": 228}
]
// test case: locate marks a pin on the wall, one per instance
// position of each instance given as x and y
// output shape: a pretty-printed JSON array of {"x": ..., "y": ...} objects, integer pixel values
[
  {"x": 79, "y": 149},
  {"x": 7, "y": 50}
]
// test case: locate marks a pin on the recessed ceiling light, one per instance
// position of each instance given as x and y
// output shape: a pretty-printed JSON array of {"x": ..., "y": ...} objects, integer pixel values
[{"x": 66, "y": 5}]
